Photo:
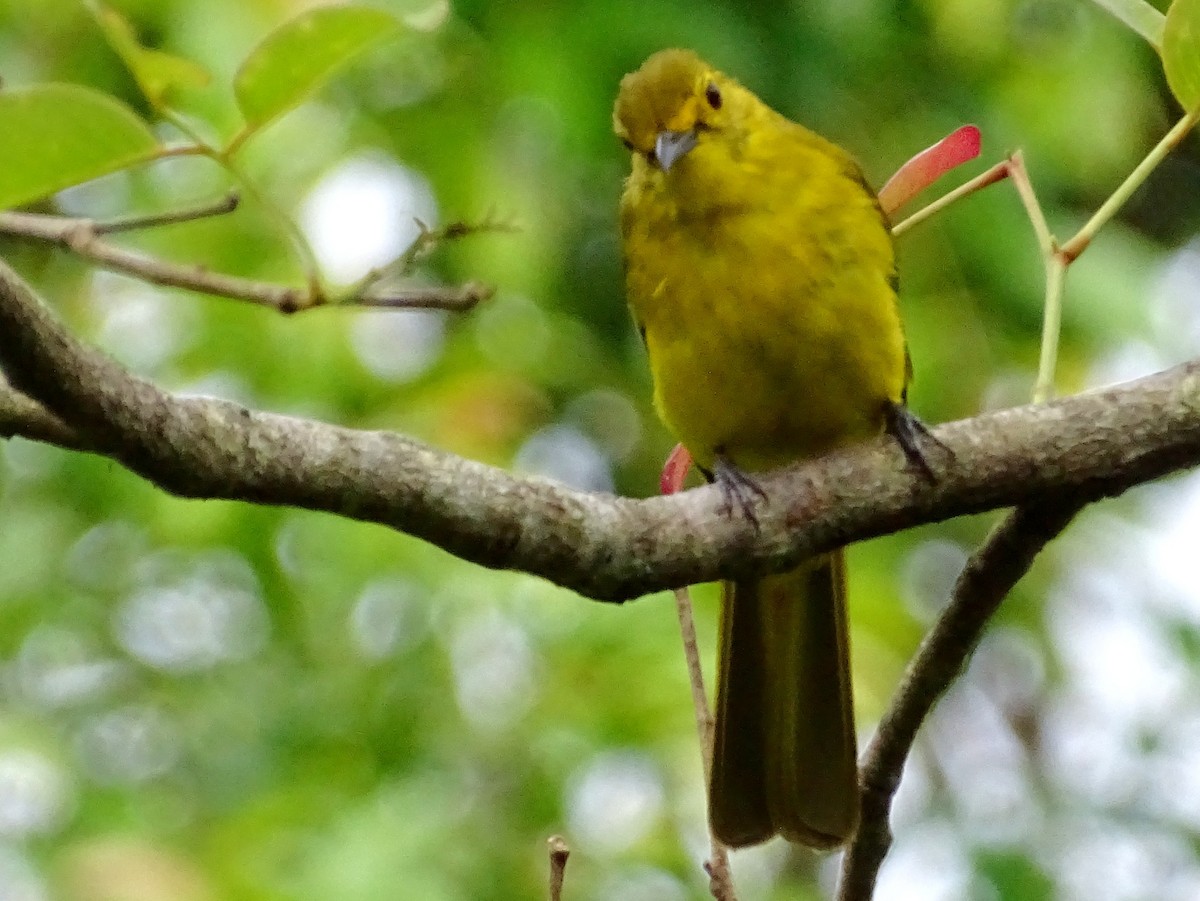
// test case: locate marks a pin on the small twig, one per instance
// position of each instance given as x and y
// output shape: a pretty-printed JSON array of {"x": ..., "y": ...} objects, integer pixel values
[
  {"x": 1055, "y": 266},
  {"x": 456, "y": 298},
  {"x": 425, "y": 243},
  {"x": 1056, "y": 272},
  {"x": 1054, "y": 259},
  {"x": 242, "y": 135},
  {"x": 720, "y": 880},
  {"x": 175, "y": 150},
  {"x": 83, "y": 237},
  {"x": 79, "y": 236},
  {"x": 1020, "y": 178},
  {"x": 1058, "y": 257},
  {"x": 983, "y": 584},
  {"x": 1056, "y": 277},
  {"x": 1076, "y": 245},
  {"x": 24, "y": 416},
  {"x": 691, "y": 654},
  {"x": 287, "y": 225},
  {"x": 226, "y": 204},
  {"x": 430, "y": 239},
  {"x": 559, "y": 852},
  {"x": 998, "y": 172}
]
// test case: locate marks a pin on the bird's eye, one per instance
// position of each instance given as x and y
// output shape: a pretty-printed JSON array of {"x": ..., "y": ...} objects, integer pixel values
[{"x": 713, "y": 96}]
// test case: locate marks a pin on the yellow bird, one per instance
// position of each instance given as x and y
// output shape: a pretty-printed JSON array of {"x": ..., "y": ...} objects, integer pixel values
[{"x": 761, "y": 275}]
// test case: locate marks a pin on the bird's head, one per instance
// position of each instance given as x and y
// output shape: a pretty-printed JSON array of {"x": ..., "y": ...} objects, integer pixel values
[{"x": 666, "y": 107}]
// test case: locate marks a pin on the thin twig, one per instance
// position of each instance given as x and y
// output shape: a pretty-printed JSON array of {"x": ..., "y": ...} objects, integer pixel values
[
  {"x": 691, "y": 654},
  {"x": 79, "y": 236},
  {"x": 426, "y": 242},
  {"x": 559, "y": 852},
  {"x": 456, "y": 298},
  {"x": 983, "y": 584},
  {"x": 430, "y": 239},
  {"x": 1055, "y": 267},
  {"x": 287, "y": 225},
  {"x": 1077, "y": 244},
  {"x": 720, "y": 880},
  {"x": 1058, "y": 257},
  {"x": 83, "y": 237},
  {"x": 720, "y": 877},
  {"x": 1056, "y": 276},
  {"x": 1020, "y": 177},
  {"x": 176, "y": 150},
  {"x": 998, "y": 172},
  {"x": 22, "y": 415},
  {"x": 235, "y": 143},
  {"x": 226, "y": 204},
  {"x": 1054, "y": 259}
]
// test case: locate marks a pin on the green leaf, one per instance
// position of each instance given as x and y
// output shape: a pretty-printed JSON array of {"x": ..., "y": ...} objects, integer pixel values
[
  {"x": 1140, "y": 16},
  {"x": 1015, "y": 875},
  {"x": 159, "y": 75},
  {"x": 53, "y": 136},
  {"x": 296, "y": 58},
  {"x": 1181, "y": 52}
]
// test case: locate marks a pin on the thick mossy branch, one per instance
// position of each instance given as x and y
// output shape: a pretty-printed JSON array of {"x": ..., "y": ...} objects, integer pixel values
[{"x": 608, "y": 548}]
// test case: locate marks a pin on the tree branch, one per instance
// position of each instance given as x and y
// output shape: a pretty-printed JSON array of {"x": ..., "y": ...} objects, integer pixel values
[
  {"x": 24, "y": 416},
  {"x": 601, "y": 546},
  {"x": 84, "y": 238},
  {"x": 981, "y": 587}
]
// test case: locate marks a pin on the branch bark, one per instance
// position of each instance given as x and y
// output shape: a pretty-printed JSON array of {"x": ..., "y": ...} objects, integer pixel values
[
  {"x": 24, "y": 416},
  {"x": 605, "y": 547},
  {"x": 981, "y": 587}
]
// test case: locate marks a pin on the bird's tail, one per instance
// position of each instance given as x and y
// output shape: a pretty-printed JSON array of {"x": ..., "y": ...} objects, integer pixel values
[{"x": 784, "y": 758}]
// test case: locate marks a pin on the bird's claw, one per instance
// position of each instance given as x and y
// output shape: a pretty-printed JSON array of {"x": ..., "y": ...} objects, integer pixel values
[
  {"x": 738, "y": 489},
  {"x": 909, "y": 432}
]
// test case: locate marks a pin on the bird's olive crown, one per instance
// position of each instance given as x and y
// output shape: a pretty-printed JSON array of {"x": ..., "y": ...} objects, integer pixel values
[{"x": 673, "y": 91}]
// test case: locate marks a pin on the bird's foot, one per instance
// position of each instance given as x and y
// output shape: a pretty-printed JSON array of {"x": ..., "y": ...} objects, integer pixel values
[
  {"x": 738, "y": 489},
  {"x": 910, "y": 433}
]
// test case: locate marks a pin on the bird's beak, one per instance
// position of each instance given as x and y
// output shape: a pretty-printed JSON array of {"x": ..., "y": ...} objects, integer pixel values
[{"x": 670, "y": 146}]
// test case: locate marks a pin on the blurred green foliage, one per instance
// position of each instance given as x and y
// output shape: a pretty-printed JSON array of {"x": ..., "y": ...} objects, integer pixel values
[{"x": 214, "y": 700}]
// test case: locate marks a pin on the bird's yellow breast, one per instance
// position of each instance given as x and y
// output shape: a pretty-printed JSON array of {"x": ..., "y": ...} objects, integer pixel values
[{"x": 760, "y": 271}]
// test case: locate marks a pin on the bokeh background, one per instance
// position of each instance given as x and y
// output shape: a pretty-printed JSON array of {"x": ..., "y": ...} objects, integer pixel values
[{"x": 203, "y": 700}]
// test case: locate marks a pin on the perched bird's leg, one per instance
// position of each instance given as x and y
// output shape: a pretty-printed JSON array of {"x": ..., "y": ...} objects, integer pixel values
[
  {"x": 737, "y": 488},
  {"x": 903, "y": 425}
]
